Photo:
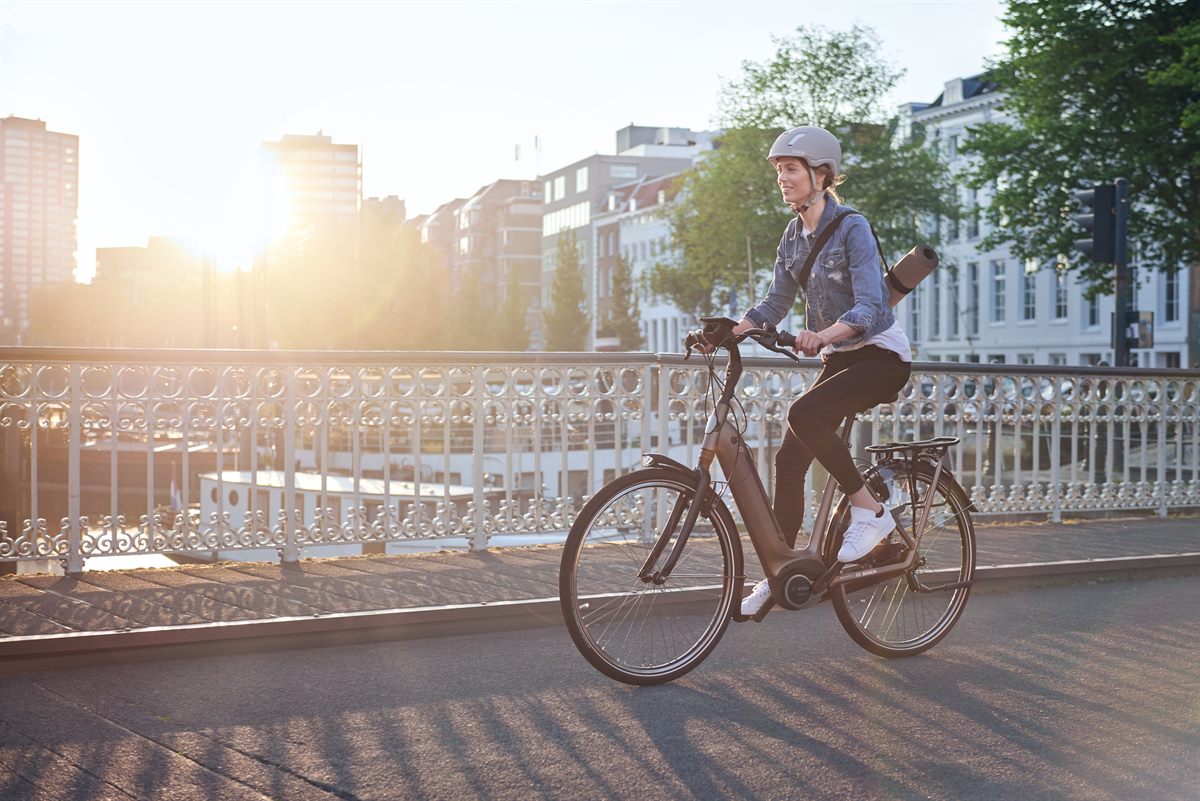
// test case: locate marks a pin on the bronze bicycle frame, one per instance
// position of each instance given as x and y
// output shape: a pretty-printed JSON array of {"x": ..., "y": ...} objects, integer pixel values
[{"x": 723, "y": 441}]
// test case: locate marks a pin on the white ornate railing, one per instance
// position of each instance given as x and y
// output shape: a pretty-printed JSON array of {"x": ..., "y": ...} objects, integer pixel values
[{"x": 113, "y": 452}]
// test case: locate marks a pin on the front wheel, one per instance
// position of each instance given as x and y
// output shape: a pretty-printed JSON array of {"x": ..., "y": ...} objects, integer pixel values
[
  {"x": 908, "y": 614},
  {"x": 632, "y": 629}
]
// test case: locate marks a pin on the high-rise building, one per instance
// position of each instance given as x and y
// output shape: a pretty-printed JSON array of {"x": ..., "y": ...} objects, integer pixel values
[
  {"x": 312, "y": 181},
  {"x": 39, "y": 201}
]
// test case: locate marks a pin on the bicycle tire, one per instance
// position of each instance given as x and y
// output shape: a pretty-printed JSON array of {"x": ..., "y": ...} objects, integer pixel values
[
  {"x": 893, "y": 618},
  {"x": 634, "y": 631}
]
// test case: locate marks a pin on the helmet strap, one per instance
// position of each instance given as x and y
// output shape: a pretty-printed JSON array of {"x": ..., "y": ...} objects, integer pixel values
[{"x": 817, "y": 192}]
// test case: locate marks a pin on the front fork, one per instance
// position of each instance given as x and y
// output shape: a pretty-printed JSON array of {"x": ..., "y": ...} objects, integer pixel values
[
  {"x": 660, "y": 576},
  {"x": 708, "y": 451}
]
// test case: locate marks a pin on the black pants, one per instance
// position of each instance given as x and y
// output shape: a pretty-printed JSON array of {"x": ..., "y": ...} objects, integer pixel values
[{"x": 850, "y": 382}]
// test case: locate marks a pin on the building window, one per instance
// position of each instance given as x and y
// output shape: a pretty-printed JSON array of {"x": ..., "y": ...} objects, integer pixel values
[
  {"x": 573, "y": 216},
  {"x": 1093, "y": 311},
  {"x": 998, "y": 288},
  {"x": 1172, "y": 360},
  {"x": 1024, "y": 358},
  {"x": 914, "y": 314},
  {"x": 546, "y": 192},
  {"x": 622, "y": 171},
  {"x": 1171, "y": 297},
  {"x": 972, "y": 299},
  {"x": 935, "y": 308},
  {"x": 581, "y": 179},
  {"x": 972, "y": 214},
  {"x": 1060, "y": 293},
  {"x": 952, "y": 293},
  {"x": 1058, "y": 359},
  {"x": 560, "y": 187},
  {"x": 1029, "y": 291}
]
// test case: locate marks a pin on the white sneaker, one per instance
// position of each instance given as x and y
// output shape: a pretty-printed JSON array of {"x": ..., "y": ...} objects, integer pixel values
[
  {"x": 757, "y": 597},
  {"x": 865, "y": 532}
]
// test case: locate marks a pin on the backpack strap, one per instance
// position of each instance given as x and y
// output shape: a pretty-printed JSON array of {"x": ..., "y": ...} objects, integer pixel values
[{"x": 820, "y": 243}]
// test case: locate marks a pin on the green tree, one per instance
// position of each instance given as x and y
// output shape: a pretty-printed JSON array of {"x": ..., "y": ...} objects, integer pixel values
[
  {"x": 1096, "y": 91},
  {"x": 512, "y": 329},
  {"x": 816, "y": 77},
  {"x": 473, "y": 320},
  {"x": 625, "y": 313},
  {"x": 565, "y": 320}
]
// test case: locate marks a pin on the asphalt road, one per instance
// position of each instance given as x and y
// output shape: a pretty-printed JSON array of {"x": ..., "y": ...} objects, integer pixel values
[{"x": 1080, "y": 692}]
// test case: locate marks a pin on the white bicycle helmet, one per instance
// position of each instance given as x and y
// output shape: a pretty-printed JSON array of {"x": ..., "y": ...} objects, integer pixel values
[{"x": 816, "y": 146}]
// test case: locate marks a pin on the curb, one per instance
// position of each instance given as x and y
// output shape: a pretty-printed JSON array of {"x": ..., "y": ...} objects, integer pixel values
[{"x": 58, "y": 651}]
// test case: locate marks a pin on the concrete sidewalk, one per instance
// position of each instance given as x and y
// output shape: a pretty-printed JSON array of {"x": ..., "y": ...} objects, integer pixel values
[{"x": 230, "y": 592}]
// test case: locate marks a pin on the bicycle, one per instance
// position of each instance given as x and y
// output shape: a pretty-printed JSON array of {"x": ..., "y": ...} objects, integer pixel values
[{"x": 652, "y": 571}]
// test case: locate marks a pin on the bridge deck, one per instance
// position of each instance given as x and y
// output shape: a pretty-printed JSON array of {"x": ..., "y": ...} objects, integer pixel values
[{"x": 191, "y": 594}]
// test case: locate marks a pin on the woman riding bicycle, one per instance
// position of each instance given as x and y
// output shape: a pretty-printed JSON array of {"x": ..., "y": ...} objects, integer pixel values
[{"x": 866, "y": 355}]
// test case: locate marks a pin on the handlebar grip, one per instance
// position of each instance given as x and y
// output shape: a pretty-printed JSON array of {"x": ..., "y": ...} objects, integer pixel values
[{"x": 786, "y": 339}]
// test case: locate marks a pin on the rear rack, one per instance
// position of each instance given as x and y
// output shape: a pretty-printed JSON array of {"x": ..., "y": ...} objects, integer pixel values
[{"x": 915, "y": 447}]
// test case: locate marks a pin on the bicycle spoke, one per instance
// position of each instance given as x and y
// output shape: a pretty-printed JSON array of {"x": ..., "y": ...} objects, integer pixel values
[
  {"x": 634, "y": 630},
  {"x": 894, "y": 618}
]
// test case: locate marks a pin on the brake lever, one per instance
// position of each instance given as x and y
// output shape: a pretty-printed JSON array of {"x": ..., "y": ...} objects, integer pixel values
[
  {"x": 784, "y": 351},
  {"x": 771, "y": 344}
]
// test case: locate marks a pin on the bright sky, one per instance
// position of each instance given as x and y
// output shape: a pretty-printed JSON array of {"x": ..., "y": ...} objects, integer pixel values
[{"x": 171, "y": 100}]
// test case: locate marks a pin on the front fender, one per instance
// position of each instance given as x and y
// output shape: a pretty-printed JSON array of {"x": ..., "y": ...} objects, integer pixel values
[{"x": 660, "y": 460}]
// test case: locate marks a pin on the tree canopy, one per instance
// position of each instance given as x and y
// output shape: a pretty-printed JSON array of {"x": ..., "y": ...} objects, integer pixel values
[
  {"x": 834, "y": 79},
  {"x": 1096, "y": 91}
]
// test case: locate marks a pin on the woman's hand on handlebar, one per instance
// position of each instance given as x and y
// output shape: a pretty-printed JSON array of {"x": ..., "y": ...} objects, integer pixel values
[
  {"x": 808, "y": 342},
  {"x": 697, "y": 340}
]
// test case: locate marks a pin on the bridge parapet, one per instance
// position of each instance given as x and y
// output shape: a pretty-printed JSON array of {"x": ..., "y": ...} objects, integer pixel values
[{"x": 119, "y": 452}]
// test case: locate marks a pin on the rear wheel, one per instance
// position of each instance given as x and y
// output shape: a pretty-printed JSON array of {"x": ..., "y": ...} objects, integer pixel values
[
  {"x": 909, "y": 614},
  {"x": 631, "y": 629}
]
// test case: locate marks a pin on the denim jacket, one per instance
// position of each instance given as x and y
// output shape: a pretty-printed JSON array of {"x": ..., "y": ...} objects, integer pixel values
[{"x": 846, "y": 283}]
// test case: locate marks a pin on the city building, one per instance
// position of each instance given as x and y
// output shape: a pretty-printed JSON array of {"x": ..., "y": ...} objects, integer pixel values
[
  {"x": 311, "y": 181},
  {"x": 389, "y": 210},
  {"x": 986, "y": 306},
  {"x": 574, "y": 195},
  {"x": 162, "y": 261},
  {"x": 497, "y": 237},
  {"x": 438, "y": 230},
  {"x": 39, "y": 202},
  {"x": 633, "y": 226}
]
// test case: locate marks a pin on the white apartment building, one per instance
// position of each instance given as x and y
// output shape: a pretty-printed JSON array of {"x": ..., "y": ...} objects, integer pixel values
[
  {"x": 986, "y": 306},
  {"x": 634, "y": 227},
  {"x": 39, "y": 202}
]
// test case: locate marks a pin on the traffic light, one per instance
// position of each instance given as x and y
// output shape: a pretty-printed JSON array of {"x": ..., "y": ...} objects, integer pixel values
[{"x": 1099, "y": 219}]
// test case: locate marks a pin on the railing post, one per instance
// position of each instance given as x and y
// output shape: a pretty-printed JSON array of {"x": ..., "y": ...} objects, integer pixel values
[
  {"x": 74, "y": 562},
  {"x": 647, "y": 410},
  {"x": 1056, "y": 458},
  {"x": 1162, "y": 486},
  {"x": 291, "y": 518},
  {"x": 480, "y": 539},
  {"x": 664, "y": 400}
]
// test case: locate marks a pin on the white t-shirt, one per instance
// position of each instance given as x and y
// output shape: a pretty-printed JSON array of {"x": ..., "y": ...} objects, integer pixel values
[{"x": 893, "y": 339}]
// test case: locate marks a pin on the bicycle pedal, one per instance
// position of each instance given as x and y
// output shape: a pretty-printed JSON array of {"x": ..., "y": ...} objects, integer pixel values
[{"x": 762, "y": 613}]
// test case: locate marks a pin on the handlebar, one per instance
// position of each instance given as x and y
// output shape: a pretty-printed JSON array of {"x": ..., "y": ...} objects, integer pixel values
[{"x": 723, "y": 337}]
